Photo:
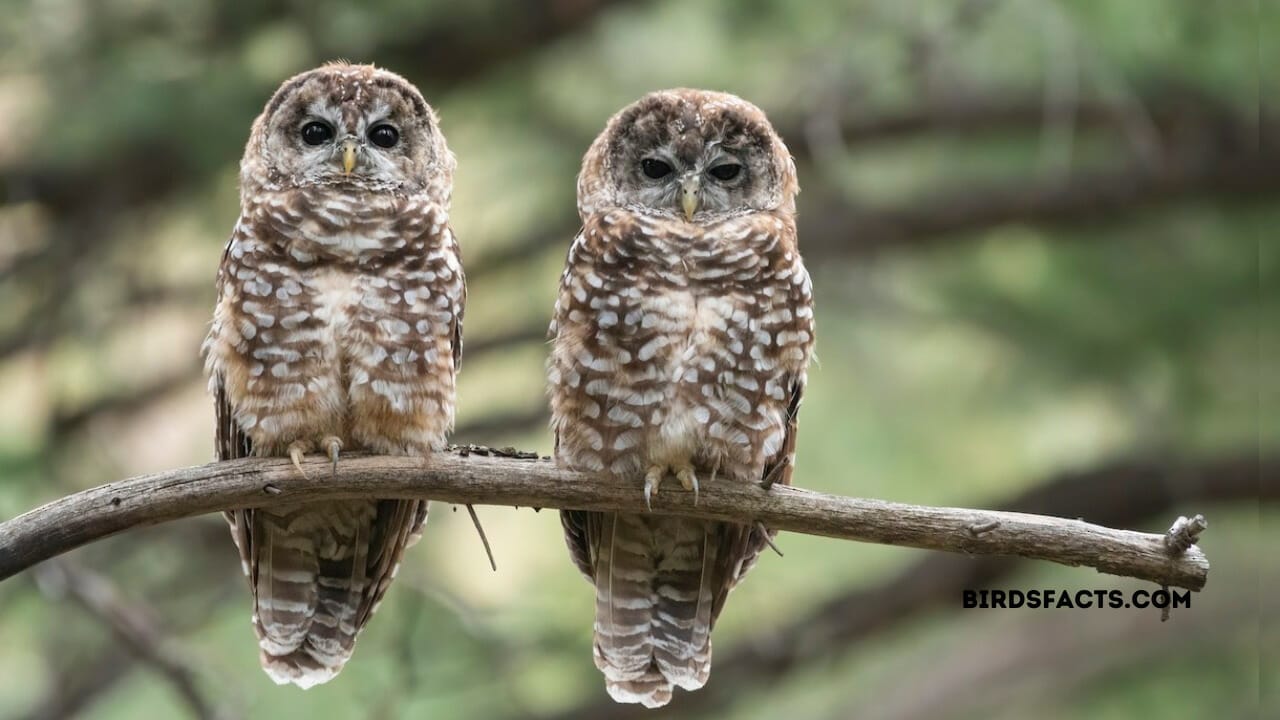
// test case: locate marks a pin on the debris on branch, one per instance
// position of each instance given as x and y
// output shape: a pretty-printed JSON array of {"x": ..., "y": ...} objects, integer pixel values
[{"x": 1184, "y": 533}]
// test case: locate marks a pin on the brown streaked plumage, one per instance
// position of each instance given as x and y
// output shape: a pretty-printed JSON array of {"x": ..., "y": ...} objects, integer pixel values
[
  {"x": 338, "y": 327},
  {"x": 681, "y": 339}
]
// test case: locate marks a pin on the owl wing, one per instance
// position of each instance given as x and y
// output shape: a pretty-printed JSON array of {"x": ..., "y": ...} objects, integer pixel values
[
  {"x": 778, "y": 468},
  {"x": 581, "y": 529},
  {"x": 459, "y": 306},
  {"x": 455, "y": 323},
  {"x": 581, "y": 533},
  {"x": 740, "y": 545},
  {"x": 399, "y": 523},
  {"x": 231, "y": 443}
]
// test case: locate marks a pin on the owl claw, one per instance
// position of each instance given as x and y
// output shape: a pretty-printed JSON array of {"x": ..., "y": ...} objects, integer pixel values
[
  {"x": 334, "y": 446},
  {"x": 297, "y": 449},
  {"x": 652, "y": 480},
  {"x": 689, "y": 480}
]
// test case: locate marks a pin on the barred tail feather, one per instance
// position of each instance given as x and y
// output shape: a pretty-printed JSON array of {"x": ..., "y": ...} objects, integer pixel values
[
  {"x": 298, "y": 667},
  {"x": 651, "y": 689},
  {"x": 624, "y": 598},
  {"x": 313, "y": 588},
  {"x": 330, "y": 636},
  {"x": 285, "y": 587},
  {"x": 682, "y": 618},
  {"x": 653, "y": 606}
]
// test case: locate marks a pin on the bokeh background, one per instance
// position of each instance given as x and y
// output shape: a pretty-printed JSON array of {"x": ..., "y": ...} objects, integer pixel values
[{"x": 1041, "y": 235}]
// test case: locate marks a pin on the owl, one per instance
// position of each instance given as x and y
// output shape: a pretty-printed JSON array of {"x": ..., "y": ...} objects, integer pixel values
[
  {"x": 680, "y": 341},
  {"x": 338, "y": 327}
]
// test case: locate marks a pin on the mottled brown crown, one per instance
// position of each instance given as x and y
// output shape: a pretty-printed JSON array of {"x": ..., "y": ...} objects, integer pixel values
[{"x": 345, "y": 82}]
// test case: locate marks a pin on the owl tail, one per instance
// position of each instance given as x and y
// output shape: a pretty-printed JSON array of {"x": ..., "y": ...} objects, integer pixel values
[
  {"x": 321, "y": 570},
  {"x": 653, "y": 606}
]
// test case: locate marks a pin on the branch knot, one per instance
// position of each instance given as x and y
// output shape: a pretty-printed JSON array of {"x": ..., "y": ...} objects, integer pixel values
[{"x": 1184, "y": 533}]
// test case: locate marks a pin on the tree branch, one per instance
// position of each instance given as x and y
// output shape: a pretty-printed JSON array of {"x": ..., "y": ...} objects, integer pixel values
[
  {"x": 76, "y": 688},
  {"x": 833, "y": 227},
  {"x": 1126, "y": 492},
  {"x": 134, "y": 625},
  {"x": 520, "y": 479}
]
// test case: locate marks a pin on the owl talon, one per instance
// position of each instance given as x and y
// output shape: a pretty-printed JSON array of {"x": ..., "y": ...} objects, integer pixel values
[
  {"x": 334, "y": 446},
  {"x": 296, "y": 450},
  {"x": 689, "y": 480},
  {"x": 652, "y": 480}
]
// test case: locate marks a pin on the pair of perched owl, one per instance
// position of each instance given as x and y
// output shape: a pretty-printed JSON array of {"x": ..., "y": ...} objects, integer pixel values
[{"x": 681, "y": 337}]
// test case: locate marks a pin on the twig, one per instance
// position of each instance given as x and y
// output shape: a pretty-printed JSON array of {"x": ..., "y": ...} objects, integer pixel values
[
  {"x": 1181, "y": 536},
  {"x": 74, "y": 689},
  {"x": 475, "y": 520},
  {"x": 764, "y": 532},
  {"x": 835, "y": 227},
  {"x": 1184, "y": 533},
  {"x": 81, "y": 681},
  {"x": 77, "y": 519},
  {"x": 132, "y": 624}
]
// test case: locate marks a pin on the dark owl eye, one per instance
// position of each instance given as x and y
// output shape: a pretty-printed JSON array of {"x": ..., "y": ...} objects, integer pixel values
[
  {"x": 384, "y": 135},
  {"x": 728, "y": 171},
  {"x": 315, "y": 133},
  {"x": 655, "y": 168}
]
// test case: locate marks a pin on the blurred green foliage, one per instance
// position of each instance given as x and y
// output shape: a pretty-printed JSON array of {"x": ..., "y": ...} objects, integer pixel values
[{"x": 960, "y": 362}]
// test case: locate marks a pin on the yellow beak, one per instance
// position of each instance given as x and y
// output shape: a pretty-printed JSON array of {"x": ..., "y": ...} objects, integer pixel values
[
  {"x": 689, "y": 196},
  {"x": 348, "y": 156}
]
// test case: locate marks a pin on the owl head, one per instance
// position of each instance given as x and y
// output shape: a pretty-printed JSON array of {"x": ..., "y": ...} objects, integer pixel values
[
  {"x": 696, "y": 155},
  {"x": 348, "y": 125}
]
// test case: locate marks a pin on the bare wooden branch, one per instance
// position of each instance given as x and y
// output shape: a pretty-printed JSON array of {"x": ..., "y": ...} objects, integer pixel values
[
  {"x": 471, "y": 477},
  {"x": 1126, "y": 492},
  {"x": 834, "y": 227}
]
